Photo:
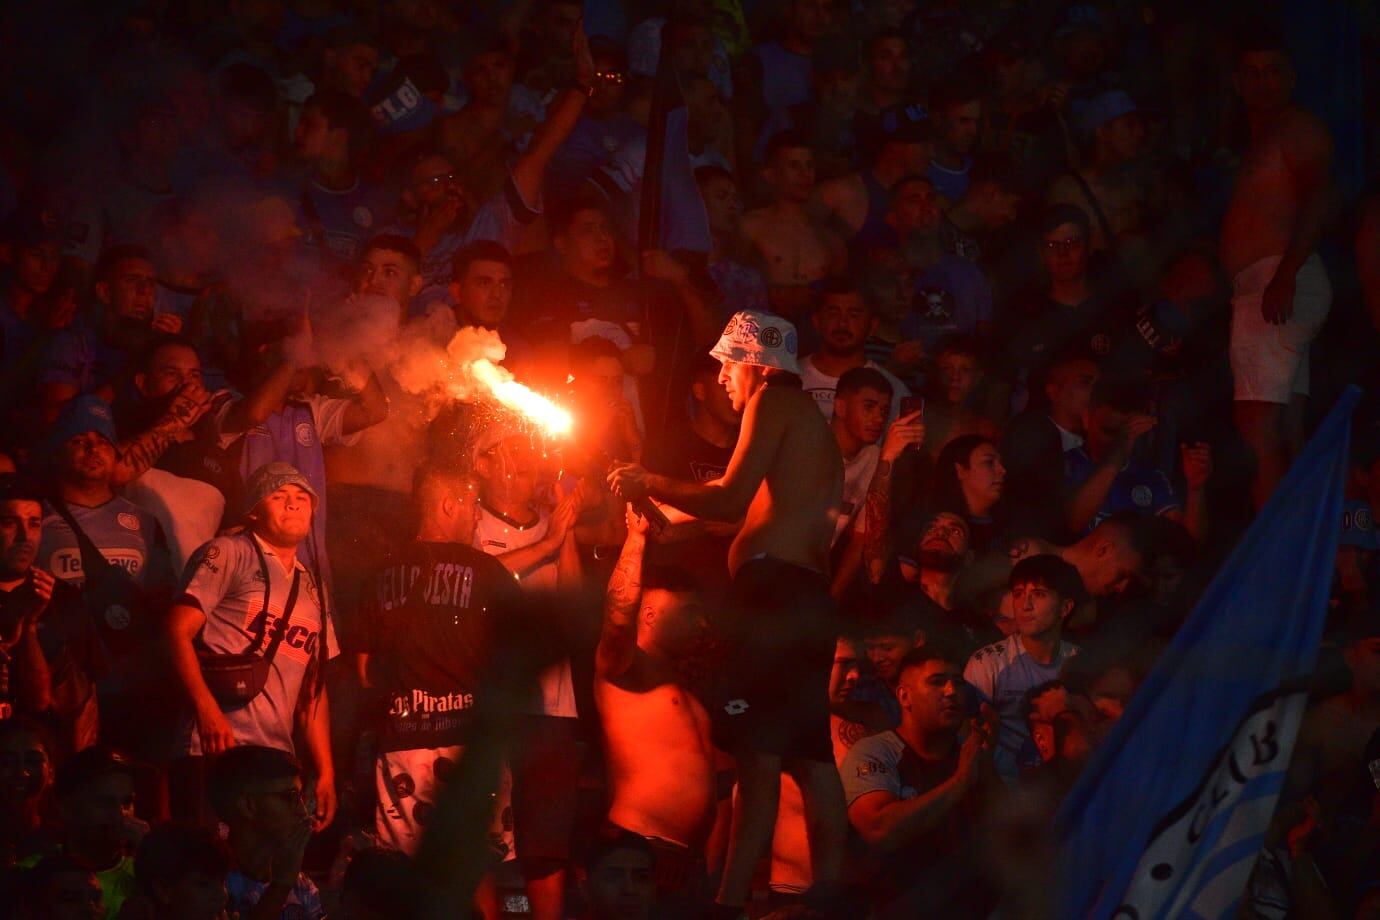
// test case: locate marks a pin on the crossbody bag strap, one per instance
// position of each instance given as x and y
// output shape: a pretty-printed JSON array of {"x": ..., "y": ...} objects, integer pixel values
[
  {"x": 93, "y": 561},
  {"x": 1101, "y": 215}
]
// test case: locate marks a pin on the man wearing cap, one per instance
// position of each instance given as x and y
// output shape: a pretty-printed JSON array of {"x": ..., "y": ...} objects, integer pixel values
[
  {"x": 250, "y": 593},
  {"x": 786, "y": 477},
  {"x": 1106, "y": 188},
  {"x": 85, "y": 463},
  {"x": 95, "y": 802}
]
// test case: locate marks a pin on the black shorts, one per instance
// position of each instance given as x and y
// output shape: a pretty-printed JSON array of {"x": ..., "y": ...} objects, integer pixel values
[
  {"x": 773, "y": 697},
  {"x": 545, "y": 764}
]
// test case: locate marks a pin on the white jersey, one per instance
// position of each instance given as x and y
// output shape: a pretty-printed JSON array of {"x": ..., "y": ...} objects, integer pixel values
[
  {"x": 823, "y": 387},
  {"x": 497, "y": 536}
]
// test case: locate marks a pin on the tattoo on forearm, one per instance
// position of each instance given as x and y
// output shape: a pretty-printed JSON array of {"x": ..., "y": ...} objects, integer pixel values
[
  {"x": 140, "y": 453},
  {"x": 625, "y": 587},
  {"x": 876, "y": 514}
]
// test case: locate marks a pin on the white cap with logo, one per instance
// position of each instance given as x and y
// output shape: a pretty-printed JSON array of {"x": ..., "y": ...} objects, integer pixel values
[{"x": 761, "y": 339}]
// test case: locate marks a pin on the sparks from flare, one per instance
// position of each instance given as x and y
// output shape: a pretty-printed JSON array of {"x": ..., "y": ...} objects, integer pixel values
[{"x": 541, "y": 411}]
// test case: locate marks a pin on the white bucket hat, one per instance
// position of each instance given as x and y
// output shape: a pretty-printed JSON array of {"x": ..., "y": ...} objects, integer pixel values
[{"x": 763, "y": 339}]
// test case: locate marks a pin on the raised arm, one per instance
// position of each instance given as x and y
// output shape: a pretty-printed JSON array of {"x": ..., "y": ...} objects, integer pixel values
[
  {"x": 618, "y": 638},
  {"x": 530, "y": 170},
  {"x": 142, "y": 451},
  {"x": 876, "y": 516}
]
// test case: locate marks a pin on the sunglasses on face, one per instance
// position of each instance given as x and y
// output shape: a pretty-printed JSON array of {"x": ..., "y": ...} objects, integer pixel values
[
  {"x": 1062, "y": 246},
  {"x": 434, "y": 181}
]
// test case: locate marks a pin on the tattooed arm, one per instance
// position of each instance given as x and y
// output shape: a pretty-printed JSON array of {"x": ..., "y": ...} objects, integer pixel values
[
  {"x": 876, "y": 514},
  {"x": 618, "y": 640},
  {"x": 142, "y": 451}
]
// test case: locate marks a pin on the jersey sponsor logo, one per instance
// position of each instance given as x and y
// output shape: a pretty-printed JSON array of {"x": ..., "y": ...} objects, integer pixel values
[
  {"x": 66, "y": 562},
  {"x": 299, "y": 642},
  {"x": 707, "y": 472},
  {"x": 421, "y": 703},
  {"x": 495, "y": 543},
  {"x": 127, "y": 520},
  {"x": 1142, "y": 496},
  {"x": 304, "y": 434}
]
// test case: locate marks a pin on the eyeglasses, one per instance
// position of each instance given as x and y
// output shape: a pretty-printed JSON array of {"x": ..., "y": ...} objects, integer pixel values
[
  {"x": 1063, "y": 246},
  {"x": 443, "y": 179},
  {"x": 610, "y": 76}
]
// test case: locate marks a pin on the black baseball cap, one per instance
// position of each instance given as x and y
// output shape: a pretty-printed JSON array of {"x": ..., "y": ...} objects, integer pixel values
[{"x": 85, "y": 766}]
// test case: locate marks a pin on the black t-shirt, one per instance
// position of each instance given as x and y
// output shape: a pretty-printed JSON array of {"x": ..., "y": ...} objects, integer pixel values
[
  {"x": 683, "y": 454},
  {"x": 1046, "y": 329},
  {"x": 430, "y": 618}
]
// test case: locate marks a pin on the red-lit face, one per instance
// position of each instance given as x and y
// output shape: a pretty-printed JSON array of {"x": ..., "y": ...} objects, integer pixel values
[
  {"x": 958, "y": 374},
  {"x": 482, "y": 296},
  {"x": 844, "y": 323},
  {"x": 588, "y": 244},
  {"x": 1038, "y": 610},
  {"x": 171, "y": 367},
  {"x": 863, "y": 413},
  {"x": 88, "y": 457},
  {"x": 130, "y": 290},
  {"x": 792, "y": 174},
  {"x": 740, "y": 381},
  {"x": 982, "y": 478},
  {"x": 284, "y": 516},
  {"x": 932, "y": 695},
  {"x": 846, "y": 672}
]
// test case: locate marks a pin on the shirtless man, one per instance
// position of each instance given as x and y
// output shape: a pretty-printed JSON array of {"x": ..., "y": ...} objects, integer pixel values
[
  {"x": 858, "y": 202},
  {"x": 794, "y": 249},
  {"x": 1281, "y": 293},
  {"x": 787, "y": 477},
  {"x": 1334, "y": 733},
  {"x": 656, "y": 733}
]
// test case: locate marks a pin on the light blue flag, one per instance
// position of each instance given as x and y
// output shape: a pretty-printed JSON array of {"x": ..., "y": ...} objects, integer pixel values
[{"x": 1170, "y": 813}]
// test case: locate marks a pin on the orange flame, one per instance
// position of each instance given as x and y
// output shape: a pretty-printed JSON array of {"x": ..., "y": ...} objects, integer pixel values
[{"x": 528, "y": 403}]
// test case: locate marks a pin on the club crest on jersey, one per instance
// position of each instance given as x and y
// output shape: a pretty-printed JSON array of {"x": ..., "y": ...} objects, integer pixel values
[{"x": 304, "y": 434}]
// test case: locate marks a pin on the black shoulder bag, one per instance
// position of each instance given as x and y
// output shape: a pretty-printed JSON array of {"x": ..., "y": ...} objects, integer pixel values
[{"x": 236, "y": 679}]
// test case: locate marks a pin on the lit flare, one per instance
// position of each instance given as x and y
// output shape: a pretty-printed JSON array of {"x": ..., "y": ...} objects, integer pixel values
[{"x": 523, "y": 400}]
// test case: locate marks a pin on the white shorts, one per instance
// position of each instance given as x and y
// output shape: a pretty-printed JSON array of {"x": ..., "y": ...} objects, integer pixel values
[
  {"x": 408, "y": 784},
  {"x": 1269, "y": 363}
]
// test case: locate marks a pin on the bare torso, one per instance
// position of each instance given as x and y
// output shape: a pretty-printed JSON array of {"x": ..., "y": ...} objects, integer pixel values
[
  {"x": 1331, "y": 741},
  {"x": 792, "y": 516},
  {"x": 793, "y": 249},
  {"x": 1265, "y": 203},
  {"x": 660, "y": 759}
]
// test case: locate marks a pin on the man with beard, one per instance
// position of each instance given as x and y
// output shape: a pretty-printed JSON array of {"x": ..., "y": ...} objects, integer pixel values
[
  {"x": 250, "y": 593},
  {"x": 44, "y": 633},
  {"x": 91, "y": 356},
  {"x": 194, "y": 477},
  {"x": 915, "y": 794},
  {"x": 843, "y": 321},
  {"x": 786, "y": 477}
]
